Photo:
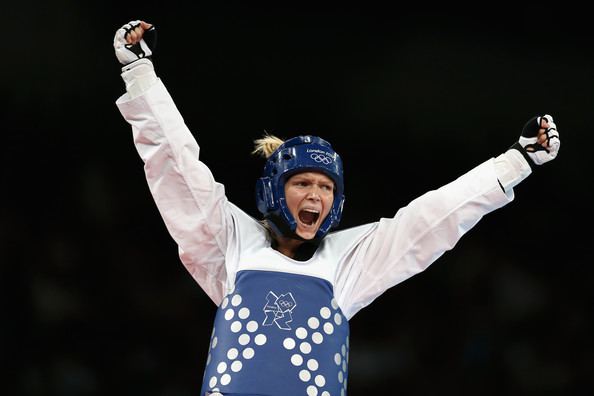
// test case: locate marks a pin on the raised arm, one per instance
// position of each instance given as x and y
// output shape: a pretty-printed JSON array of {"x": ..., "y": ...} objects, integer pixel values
[
  {"x": 397, "y": 248},
  {"x": 193, "y": 205}
]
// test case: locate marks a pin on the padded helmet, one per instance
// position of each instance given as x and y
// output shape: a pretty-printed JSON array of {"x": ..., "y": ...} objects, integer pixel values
[{"x": 296, "y": 155}]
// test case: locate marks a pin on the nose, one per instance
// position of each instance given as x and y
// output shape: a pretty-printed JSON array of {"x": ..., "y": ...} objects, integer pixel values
[{"x": 314, "y": 194}]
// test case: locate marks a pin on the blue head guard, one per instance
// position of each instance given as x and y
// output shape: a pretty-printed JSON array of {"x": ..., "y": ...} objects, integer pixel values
[{"x": 296, "y": 155}]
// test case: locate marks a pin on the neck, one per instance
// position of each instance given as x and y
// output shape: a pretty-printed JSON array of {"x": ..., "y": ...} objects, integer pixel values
[
  {"x": 288, "y": 243},
  {"x": 287, "y": 246},
  {"x": 296, "y": 249}
]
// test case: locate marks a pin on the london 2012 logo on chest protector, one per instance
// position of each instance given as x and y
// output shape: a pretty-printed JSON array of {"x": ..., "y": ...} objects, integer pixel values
[{"x": 279, "y": 310}]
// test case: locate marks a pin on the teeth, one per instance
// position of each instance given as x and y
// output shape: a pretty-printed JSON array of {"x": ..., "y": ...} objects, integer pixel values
[{"x": 312, "y": 211}]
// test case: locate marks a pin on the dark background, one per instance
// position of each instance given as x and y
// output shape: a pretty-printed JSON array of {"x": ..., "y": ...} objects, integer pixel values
[{"x": 94, "y": 298}]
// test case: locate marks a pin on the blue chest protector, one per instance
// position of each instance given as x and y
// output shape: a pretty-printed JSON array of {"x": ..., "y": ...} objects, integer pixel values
[{"x": 278, "y": 334}]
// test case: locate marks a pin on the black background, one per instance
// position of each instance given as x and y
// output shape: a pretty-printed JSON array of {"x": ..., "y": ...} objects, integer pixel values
[{"x": 94, "y": 298}]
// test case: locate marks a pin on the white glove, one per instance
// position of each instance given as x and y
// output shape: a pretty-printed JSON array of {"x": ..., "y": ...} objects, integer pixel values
[
  {"x": 539, "y": 143},
  {"x": 143, "y": 49}
]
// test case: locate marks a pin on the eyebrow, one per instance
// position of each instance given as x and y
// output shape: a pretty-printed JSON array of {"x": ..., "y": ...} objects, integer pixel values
[{"x": 304, "y": 177}]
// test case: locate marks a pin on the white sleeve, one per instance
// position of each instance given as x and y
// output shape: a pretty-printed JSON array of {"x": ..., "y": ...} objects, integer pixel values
[
  {"x": 395, "y": 249},
  {"x": 511, "y": 168},
  {"x": 193, "y": 206}
]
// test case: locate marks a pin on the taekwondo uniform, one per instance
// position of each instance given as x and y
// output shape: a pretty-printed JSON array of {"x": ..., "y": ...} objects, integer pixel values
[{"x": 282, "y": 325}]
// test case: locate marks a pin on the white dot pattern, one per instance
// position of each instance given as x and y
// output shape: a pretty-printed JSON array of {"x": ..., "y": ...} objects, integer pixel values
[
  {"x": 296, "y": 360},
  {"x": 337, "y": 359},
  {"x": 244, "y": 339},
  {"x": 325, "y": 312},
  {"x": 341, "y": 361},
  {"x": 236, "y": 366},
  {"x": 305, "y": 347},
  {"x": 304, "y": 337},
  {"x": 334, "y": 304},
  {"x": 289, "y": 343},
  {"x": 248, "y": 353},
  {"x": 229, "y": 314},
  {"x": 225, "y": 379},
  {"x": 236, "y": 300},
  {"x": 252, "y": 326},
  {"x": 304, "y": 375},
  {"x": 331, "y": 318},
  {"x": 260, "y": 339},
  {"x": 238, "y": 321},
  {"x": 317, "y": 338},
  {"x": 338, "y": 319},
  {"x": 244, "y": 313},
  {"x": 222, "y": 367},
  {"x": 236, "y": 326},
  {"x": 232, "y": 353},
  {"x": 301, "y": 333},
  {"x": 320, "y": 380}
]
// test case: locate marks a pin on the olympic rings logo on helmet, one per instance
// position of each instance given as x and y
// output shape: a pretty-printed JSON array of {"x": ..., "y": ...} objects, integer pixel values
[{"x": 324, "y": 159}]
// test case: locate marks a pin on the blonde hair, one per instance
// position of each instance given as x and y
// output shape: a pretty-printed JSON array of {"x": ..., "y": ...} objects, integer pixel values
[{"x": 266, "y": 145}]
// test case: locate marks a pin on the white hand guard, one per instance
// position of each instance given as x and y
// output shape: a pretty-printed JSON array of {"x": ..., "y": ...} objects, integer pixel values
[
  {"x": 128, "y": 53},
  {"x": 528, "y": 142}
]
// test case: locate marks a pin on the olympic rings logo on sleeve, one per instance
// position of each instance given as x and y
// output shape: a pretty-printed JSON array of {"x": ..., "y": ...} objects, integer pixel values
[{"x": 324, "y": 159}]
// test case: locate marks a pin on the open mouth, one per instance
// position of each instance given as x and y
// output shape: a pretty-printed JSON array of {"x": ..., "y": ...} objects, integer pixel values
[{"x": 309, "y": 216}]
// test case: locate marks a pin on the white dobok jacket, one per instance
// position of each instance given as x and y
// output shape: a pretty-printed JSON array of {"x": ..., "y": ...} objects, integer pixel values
[{"x": 282, "y": 325}]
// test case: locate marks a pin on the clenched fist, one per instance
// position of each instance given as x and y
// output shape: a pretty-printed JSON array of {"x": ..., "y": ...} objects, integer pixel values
[
  {"x": 134, "y": 41},
  {"x": 539, "y": 141}
]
